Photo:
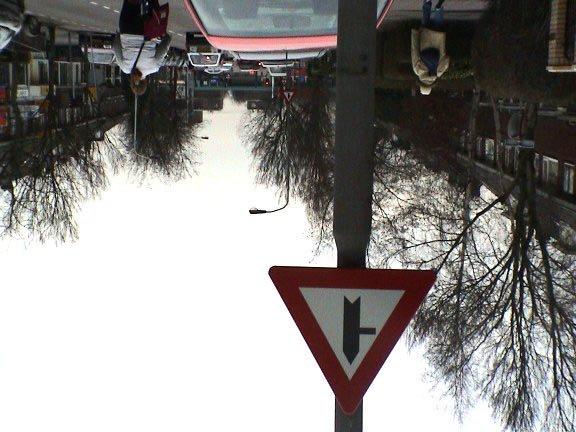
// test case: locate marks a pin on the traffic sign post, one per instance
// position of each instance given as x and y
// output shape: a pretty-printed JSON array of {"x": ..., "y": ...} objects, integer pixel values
[
  {"x": 354, "y": 147},
  {"x": 351, "y": 319},
  {"x": 288, "y": 95}
]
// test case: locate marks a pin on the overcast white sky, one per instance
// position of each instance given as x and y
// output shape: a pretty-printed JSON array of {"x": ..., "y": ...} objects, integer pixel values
[{"x": 162, "y": 317}]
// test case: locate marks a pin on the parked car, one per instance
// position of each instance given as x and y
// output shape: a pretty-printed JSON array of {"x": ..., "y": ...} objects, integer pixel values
[
  {"x": 200, "y": 53},
  {"x": 251, "y": 28}
]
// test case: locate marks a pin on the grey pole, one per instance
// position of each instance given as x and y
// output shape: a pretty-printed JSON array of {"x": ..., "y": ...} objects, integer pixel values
[
  {"x": 92, "y": 68},
  {"x": 187, "y": 95},
  {"x": 135, "y": 122},
  {"x": 354, "y": 150},
  {"x": 193, "y": 86},
  {"x": 71, "y": 65},
  {"x": 348, "y": 423}
]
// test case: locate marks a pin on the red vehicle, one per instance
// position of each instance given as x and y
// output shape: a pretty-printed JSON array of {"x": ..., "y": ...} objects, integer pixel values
[{"x": 305, "y": 27}]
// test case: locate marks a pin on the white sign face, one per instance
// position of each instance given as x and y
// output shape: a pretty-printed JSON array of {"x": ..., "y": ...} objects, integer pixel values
[{"x": 351, "y": 319}]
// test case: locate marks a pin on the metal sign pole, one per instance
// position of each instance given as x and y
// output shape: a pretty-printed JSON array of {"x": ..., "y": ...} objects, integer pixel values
[
  {"x": 354, "y": 150},
  {"x": 187, "y": 95},
  {"x": 92, "y": 69},
  {"x": 348, "y": 423},
  {"x": 71, "y": 65},
  {"x": 135, "y": 122}
]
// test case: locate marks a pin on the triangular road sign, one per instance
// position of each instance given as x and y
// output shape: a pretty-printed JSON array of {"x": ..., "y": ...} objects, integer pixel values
[
  {"x": 288, "y": 95},
  {"x": 351, "y": 319}
]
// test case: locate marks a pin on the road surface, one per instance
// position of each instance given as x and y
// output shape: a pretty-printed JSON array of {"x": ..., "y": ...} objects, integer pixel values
[
  {"x": 102, "y": 16},
  {"x": 453, "y": 9}
]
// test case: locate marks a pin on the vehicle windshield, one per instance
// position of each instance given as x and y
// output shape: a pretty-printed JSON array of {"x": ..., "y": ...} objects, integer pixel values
[
  {"x": 280, "y": 55},
  {"x": 270, "y": 18}
]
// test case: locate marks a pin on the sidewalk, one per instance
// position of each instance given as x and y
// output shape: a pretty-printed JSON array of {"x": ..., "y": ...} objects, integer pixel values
[{"x": 461, "y": 10}]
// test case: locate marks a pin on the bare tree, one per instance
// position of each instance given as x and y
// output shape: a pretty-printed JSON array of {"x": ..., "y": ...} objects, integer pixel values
[
  {"x": 510, "y": 53},
  {"x": 500, "y": 322},
  {"x": 166, "y": 140},
  {"x": 45, "y": 178},
  {"x": 292, "y": 144}
]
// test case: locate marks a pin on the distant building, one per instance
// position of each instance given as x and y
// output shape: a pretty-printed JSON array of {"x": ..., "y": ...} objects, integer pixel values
[
  {"x": 77, "y": 71},
  {"x": 20, "y": 150},
  {"x": 101, "y": 68},
  {"x": 555, "y": 170}
]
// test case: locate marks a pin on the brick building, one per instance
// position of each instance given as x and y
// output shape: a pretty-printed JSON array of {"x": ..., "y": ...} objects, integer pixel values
[
  {"x": 562, "y": 36},
  {"x": 555, "y": 168}
]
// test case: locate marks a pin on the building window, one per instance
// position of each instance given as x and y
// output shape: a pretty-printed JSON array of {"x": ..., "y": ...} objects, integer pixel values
[
  {"x": 62, "y": 73},
  {"x": 489, "y": 148},
  {"x": 43, "y": 72},
  {"x": 77, "y": 73},
  {"x": 462, "y": 141},
  {"x": 508, "y": 158},
  {"x": 537, "y": 163},
  {"x": 4, "y": 74},
  {"x": 39, "y": 72},
  {"x": 568, "y": 183},
  {"x": 550, "y": 171},
  {"x": 480, "y": 153},
  {"x": 108, "y": 72},
  {"x": 66, "y": 74},
  {"x": 20, "y": 74}
]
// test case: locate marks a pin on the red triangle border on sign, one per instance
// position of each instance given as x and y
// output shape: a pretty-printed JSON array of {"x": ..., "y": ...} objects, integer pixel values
[{"x": 415, "y": 283}]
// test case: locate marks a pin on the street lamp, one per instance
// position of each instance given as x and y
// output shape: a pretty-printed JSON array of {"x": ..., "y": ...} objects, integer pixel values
[{"x": 255, "y": 210}]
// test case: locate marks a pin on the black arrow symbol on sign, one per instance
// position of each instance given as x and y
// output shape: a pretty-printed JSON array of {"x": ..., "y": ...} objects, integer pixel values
[{"x": 352, "y": 329}]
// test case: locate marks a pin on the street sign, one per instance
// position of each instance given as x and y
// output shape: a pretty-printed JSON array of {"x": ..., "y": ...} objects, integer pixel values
[
  {"x": 288, "y": 95},
  {"x": 351, "y": 319}
]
